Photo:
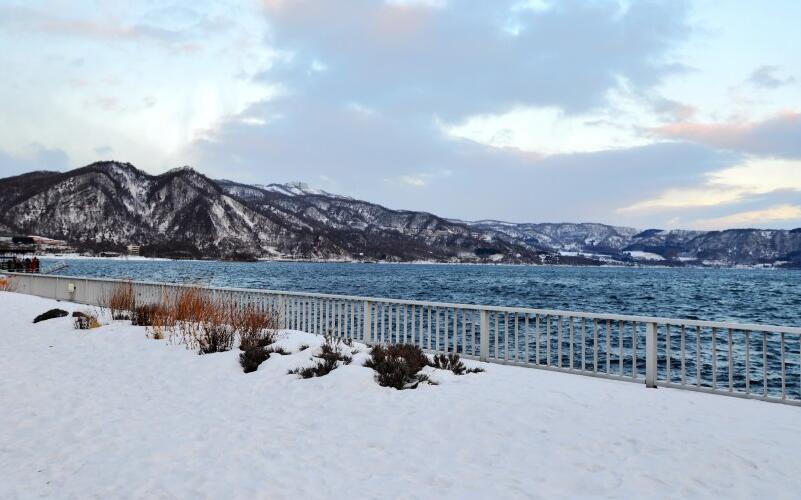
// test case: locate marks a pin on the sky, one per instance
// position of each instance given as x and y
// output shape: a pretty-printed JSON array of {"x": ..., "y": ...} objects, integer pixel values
[{"x": 652, "y": 114}]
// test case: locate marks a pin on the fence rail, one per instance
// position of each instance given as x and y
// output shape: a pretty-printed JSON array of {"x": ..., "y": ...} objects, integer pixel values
[{"x": 742, "y": 360}]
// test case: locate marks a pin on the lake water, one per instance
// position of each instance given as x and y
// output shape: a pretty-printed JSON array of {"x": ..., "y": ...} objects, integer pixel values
[{"x": 742, "y": 295}]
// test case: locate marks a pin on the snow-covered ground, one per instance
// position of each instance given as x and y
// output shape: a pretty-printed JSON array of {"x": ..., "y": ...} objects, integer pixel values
[{"x": 108, "y": 413}]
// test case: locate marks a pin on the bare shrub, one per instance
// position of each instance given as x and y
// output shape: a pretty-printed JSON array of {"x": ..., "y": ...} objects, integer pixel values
[
  {"x": 320, "y": 369},
  {"x": 303, "y": 347},
  {"x": 217, "y": 333},
  {"x": 332, "y": 349},
  {"x": 84, "y": 321},
  {"x": 398, "y": 366},
  {"x": 278, "y": 350},
  {"x": 189, "y": 310},
  {"x": 330, "y": 357},
  {"x": 121, "y": 301},
  {"x": 144, "y": 315},
  {"x": 453, "y": 363},
  {"x": 162, "y": 322},
  {"x": 251, "y": 358},
  {"x": 256, "y": 328},
  {"x": 7, "y": 284},
  {"x": 199, "y": 322},
  {"x": 190, "y": 316}
]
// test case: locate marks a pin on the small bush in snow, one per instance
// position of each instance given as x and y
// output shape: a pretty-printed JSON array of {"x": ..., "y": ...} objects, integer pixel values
[
  {"x": 398, "y": 365},
  {"x": 278, "y": 350},
  {"x": 453, "y": 363},
  {"x": 84, "y": 321},
  {"x": 215, "y": 336},
  {"x": 332, "y": 349},
  {"x": 330, "y": 357},
  {"x": 303, "y": 347},
  {"x": 251, "y": 358}
]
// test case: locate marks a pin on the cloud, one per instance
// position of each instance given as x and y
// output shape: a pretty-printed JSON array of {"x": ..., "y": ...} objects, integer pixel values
[
  {"x": 457, "y": 59},
  {"x": 34, "y": 157},
  {"x": 386, "y": 158},
  {"x": 753, "y": 218},
  {"x": 733, "y": 184},
  {"x": 752, "y": 188},
  {"x": 418, "y": 180},
  {"x": 174, "y": 27},
  {"x": 777, "y": 136},
  {"x": 766, "y": 77},
  {"x": 365, "y": 88}
]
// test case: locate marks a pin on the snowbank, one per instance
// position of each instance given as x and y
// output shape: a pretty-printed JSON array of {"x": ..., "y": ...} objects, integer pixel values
[{"x": 108, "y": 413}]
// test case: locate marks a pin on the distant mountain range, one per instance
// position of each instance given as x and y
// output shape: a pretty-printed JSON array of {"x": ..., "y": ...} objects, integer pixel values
[{"x": 181, "y": 213}]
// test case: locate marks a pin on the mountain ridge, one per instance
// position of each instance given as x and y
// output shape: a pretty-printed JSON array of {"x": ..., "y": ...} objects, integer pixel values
[{"x": 181, "y": 212}]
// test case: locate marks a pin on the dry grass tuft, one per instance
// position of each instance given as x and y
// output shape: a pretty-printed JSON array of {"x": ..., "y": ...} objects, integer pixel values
[
  {"x": 121, "y": 301},
  {"x": 193, "y": 317},
  {"x": 256, "y": 328},
  {"x": 7, "y": 284},
  {"x": 190, "y": 304},
  {"x": 143, "y": 315}
]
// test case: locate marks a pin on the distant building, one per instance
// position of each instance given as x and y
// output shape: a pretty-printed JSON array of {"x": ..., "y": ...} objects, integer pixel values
[
  {"x": 46, "y": 245},
  {"x": 17, "y": 244},
  {"x": 133, "y": 249}
]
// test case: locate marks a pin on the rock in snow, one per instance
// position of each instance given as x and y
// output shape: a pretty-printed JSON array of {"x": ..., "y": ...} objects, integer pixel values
[{"x": 108, "y": 413}]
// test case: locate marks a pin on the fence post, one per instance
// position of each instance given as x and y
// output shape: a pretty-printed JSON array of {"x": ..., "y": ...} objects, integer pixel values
[
  {"x": 368, "y": 322},
  {"x": 650, "y": 355},
  {"x": 485, "y": 335},
  {"x": 283, "y": 312}
]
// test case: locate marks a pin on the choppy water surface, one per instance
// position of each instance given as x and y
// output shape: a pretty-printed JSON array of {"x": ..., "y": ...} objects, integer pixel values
[{"x": 742, "y": 295}]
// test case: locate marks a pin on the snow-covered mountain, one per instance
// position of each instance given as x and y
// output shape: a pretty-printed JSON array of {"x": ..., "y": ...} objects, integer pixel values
[
  {"x": 108, "y": 205},
  {"x": 668, "y": 247}
]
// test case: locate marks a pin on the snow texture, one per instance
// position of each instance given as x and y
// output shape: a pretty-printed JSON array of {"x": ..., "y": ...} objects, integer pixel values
[{"x": 108, "y": 413}]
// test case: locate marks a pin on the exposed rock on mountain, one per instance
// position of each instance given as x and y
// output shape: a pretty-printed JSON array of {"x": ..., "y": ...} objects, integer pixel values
[{"x": 109, "y": 205}]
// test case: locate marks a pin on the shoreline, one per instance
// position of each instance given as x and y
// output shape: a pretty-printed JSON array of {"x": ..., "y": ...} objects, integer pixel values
[{"x": 634, "y": 265}]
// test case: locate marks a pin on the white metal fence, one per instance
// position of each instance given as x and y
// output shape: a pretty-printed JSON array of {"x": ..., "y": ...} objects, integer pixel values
[{"x": 742, "y": 360}]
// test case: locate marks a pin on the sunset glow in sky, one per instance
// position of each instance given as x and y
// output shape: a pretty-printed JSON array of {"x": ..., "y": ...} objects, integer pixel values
[{"x": 664, "y": 114}]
